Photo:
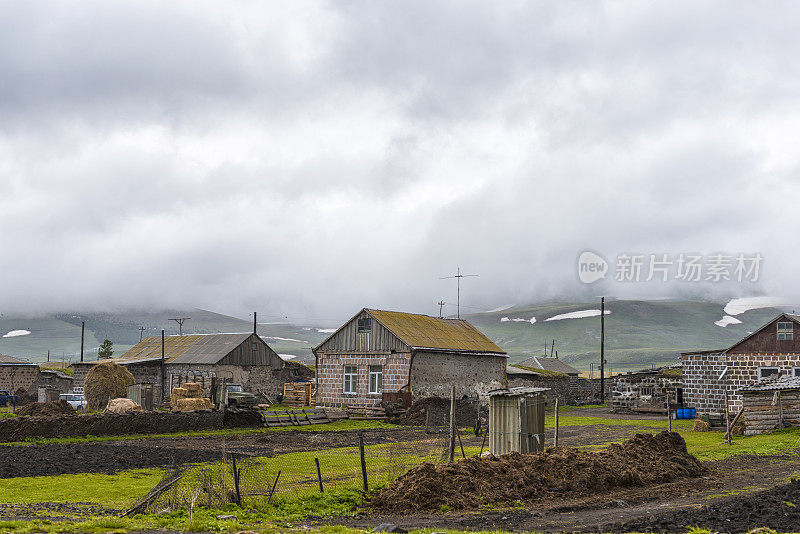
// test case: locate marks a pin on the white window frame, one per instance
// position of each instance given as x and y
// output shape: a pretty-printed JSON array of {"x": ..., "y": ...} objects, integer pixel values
[
  {"x": 785, "y": 330},
  {"x": 761, "y": 377},
  {"x": 350, "y": 380},
  {"x": 376, "y": 379}
]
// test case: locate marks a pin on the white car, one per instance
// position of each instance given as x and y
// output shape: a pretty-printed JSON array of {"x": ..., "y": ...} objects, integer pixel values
[{"x": 76, "y": 400}]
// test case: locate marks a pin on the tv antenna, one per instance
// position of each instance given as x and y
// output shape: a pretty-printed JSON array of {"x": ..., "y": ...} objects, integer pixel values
[
  {"x": 141, "y": 332},
  {"x": 458, "y": 276},
  {"x": 180, "y": 321},
  {"x": 440, "y": 303}
]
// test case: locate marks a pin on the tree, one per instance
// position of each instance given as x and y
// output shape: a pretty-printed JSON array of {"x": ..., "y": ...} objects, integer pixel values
[{"x": 106, "y": 350}]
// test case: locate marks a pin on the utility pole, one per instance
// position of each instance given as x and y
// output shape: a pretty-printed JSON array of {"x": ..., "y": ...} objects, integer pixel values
[
  {"x": 602, "y": 349},
  {"x": 48, "y": 355},
  {"x": 141, "y": 332},
  {"x": 440, "y": 303},
  {"x": 163, "y": 376},
  {"x": 180, "y": 321},
  {"x": 83, "y": 324},
  {"x": 552, "y": 347},
  {"x": 458, "y": 276},
  {"x": 255, "y": 322}
]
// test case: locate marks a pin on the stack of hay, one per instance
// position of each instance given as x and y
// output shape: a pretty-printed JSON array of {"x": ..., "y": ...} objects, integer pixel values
[
  {"x": 122, "y": 406},
  {"x": 105, "y": 381},
  {"x": 189, "y": 398}
]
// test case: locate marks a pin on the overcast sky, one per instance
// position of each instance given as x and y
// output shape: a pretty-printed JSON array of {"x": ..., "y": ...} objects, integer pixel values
[{"x": 308, "y": 159}]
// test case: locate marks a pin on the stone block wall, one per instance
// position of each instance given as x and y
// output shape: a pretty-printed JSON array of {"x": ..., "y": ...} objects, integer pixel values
[
  {"x": 433, "y": 374},
  {"x": 330, "y": 377},
  {"x": 14, "y": 377},
  {"x": 559, "y": 387},
  {"x": 743, "y": 371},
  {"x": 703, "y": 389}
]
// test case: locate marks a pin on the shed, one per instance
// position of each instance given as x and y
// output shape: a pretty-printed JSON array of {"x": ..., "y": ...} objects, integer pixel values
[
  {"x": 771, "y": 404},
  {"x": 549, "y": 364},
  {"x": 516, "y": 420}
]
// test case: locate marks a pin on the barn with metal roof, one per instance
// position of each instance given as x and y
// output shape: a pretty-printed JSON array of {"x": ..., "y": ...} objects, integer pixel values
[
  {"x": 240, "y": 358},
  {"x": 384, "y": 355}
]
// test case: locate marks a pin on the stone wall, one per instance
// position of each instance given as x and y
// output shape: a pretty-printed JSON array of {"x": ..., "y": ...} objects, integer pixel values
[
  {"x": 433, "y": 374},
  {"x": 646, "y": 391},
  {"x": 559, "y": 386},
  {"x": 706, "y": 392},
  {"x": 330, "y": 377},
  {"x": 703, "y": 389},
  {"x": 760, "y": 416},
  {"x": 14, "y": 377}
]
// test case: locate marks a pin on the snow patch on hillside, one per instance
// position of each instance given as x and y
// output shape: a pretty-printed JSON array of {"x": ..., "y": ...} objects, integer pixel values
[
  {"x": 16, "y": 333},
  {"x": 726, "y": 320},
  {"x": 275, "y": 338},
  {"x": 532, "y": 320},
  {"x": 326, "y": 330},
  {"x": 577, "y": 315},
  {"x": 500, "y": 308},
  {"x": 285, "y": 357},
  {"x": 739, "y": 306}
]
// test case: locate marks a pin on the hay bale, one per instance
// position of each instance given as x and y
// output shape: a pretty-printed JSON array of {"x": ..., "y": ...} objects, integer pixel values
[
  {"x": 700, "y": 426},
  {"x": 192, "y": 387},
  {"x": 105, "y": 381},
  {"x": 122, "y": 406},
  {"x": 192, "y": 404}
]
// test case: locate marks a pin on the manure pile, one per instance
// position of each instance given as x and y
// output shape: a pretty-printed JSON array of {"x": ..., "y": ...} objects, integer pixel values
[
  {"x": 467, "y": 484},
  {"x": 59, "y": 407}
]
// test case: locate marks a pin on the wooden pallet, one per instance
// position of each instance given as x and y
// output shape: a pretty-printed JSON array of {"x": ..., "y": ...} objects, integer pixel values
[
  {"x": 361, "y": 413},
  {"x": 297, "y": 394},
  {"x": 315, "y": 416}
]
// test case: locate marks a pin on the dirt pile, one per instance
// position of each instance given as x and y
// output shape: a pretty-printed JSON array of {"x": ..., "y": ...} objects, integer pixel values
[
  {"x": 38, "y": 409},
  {"x": 106, "y": 381},
  {"x": 777, "y": 508},
  {"x": 435, "y": 411},
  {"x": 643, "y": 460}
]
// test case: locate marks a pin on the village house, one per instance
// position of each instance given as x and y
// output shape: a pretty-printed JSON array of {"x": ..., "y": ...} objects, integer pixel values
[
  {"x": 24, "y": 378},
  {"x": 383, "y": 355},
  {"x": 244, "y": 359},
  {"x": 549, "y": 364},
  {"x": 557, "y": 384},
  {"x": 773, "y": 349},
  {"x": 647, "y": 391}
]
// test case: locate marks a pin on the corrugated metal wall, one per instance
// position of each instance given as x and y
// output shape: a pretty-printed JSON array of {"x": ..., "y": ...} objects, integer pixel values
[
  {"x": 516, "y": 423},
  {"x": 349, "y": 340}
]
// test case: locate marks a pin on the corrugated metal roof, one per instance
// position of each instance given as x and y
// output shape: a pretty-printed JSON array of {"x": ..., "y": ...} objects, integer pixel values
[
  {"x": 191, "y": 348},
  {"x": 425, "y": 332},
  {"x": 774, "y": 384},
  {"x": 549, "y": 364},
  {"x": 10, "y": 360}
]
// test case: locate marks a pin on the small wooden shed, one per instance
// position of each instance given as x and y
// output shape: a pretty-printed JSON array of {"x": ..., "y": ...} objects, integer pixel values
[{"x": 771, "y": 404}]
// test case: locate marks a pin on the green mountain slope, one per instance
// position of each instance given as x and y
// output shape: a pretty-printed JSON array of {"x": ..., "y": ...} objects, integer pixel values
[{"x": 638, "y": 333}]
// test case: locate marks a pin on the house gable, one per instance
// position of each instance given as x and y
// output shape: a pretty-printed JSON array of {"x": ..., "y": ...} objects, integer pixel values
[
  {"x": 253, "y": 351},
  {"x": 765, "y": 340},
  {"x": 350, "y": 339}
]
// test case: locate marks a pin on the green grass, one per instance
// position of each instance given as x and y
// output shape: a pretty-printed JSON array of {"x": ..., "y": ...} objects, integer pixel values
[
  {"x": 576, "y": 420},
  {"x": 335, "y": 426}
]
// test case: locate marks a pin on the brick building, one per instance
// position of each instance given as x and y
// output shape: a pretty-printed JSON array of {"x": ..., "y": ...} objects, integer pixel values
[
  {"x": 16, "y": 374},
  {"x": 381, "y": 354},
  {"x": 244, "y": 359},
  {"x": 771, "y": 350}
]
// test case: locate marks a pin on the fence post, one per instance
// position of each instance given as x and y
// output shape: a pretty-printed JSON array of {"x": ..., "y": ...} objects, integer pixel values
[
  {"x": 363, "y": 461},
  {"x": 319, "y": 475},
  {"x": 727, "y": 419},
  {"x": 452, "y": 446},
  {"x": 275, "y": 485},
  {"x": 669, "y": 414},
  {"x": 555, "y": 435},
  {"x": 238, "y": 495}
]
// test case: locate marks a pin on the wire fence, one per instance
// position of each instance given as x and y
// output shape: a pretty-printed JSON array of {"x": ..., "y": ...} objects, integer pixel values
[{"x": 259, "y": 481}]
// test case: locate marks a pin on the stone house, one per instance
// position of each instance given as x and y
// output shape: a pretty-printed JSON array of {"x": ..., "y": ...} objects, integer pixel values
[
  {"x": 557, "y": 384},
  {"x": 16, "y": 374},
  {"x": 550, "y": 364},
  {"x": 244, "y": 359},
  {"x": 773, "y": 349},
  {"x": 383, "y": 355}
]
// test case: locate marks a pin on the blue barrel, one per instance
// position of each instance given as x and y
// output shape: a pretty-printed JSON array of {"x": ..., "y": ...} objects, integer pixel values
[
  {"x": 692, "y": 413},
  {"x": 681, "y": 413}
]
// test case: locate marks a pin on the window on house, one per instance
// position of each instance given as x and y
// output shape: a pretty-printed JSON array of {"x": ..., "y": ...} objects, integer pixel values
[
  {"x": 785, "y": 330},
  {"x": 646, "y": 391},
  {"x": 350, "y": 379},
  {"x": 796, "y": 371},
  {"x": 364, "y": 326},
  {"x": 375, "y": 379},
  {"x": 764, "y": 372}
]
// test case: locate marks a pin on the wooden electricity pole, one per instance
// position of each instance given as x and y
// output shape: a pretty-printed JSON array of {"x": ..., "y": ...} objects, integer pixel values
[
  {"x": 83, "y": 324},
  {"x": 452, "y": 446},
  {"x": 602, "y": 349},
  {"x": 163, "y": 376}
]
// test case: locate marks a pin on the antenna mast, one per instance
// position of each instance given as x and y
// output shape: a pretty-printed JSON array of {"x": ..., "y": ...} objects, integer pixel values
[
  {"x": 440, "y": 303},
  {"x": 180, "y": 321},
  {"x": 458, "y": 276},
  {"x": 141, "y": 332}
]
